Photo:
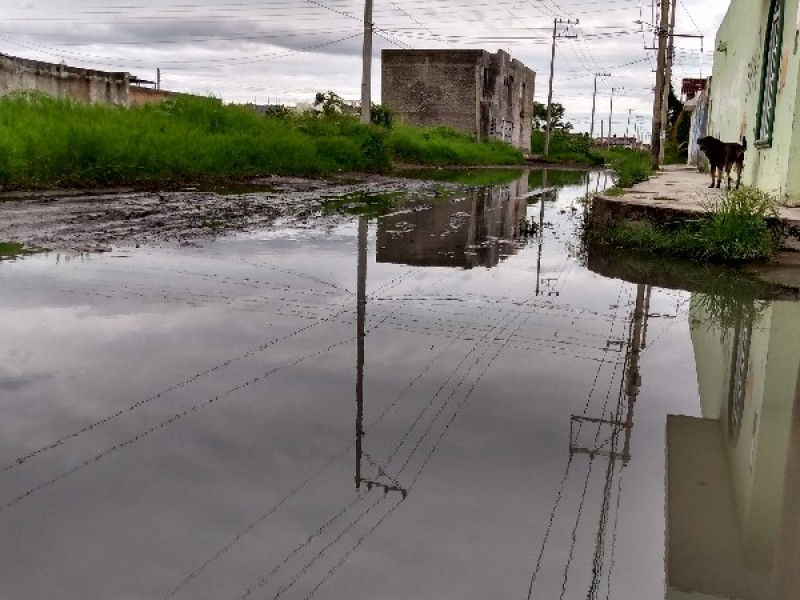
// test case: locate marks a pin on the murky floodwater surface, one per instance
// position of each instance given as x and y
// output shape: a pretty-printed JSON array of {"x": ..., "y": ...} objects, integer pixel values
[{"x": 418, "y": 398}]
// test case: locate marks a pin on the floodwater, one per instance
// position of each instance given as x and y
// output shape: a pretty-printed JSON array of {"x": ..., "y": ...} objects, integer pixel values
[{"x": 398, "y": 398}]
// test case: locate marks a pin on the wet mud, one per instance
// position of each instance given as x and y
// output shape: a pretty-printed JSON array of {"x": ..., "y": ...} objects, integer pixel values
[{"x": 96, "y": 221}]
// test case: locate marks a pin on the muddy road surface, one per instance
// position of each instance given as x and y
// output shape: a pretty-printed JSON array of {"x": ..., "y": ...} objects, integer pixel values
[{"x": 95, "y": 221}]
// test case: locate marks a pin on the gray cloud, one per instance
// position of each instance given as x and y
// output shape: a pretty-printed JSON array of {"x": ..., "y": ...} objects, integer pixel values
[{"x": 286, "y": 51}]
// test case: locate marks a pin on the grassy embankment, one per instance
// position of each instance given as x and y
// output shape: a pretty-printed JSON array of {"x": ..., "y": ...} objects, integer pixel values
[
  {"x": 55, "y": 143},
  {"x": 630, "y": 167},
  {"x": 567, "y": 147},
  {"x": 740, "y": 226}
]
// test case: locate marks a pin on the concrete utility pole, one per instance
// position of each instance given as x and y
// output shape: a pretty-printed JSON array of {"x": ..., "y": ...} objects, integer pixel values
[
  {"x": 667, "y": 81},
  {"x": 611, "y": 111},
  {"x": 550, "y": 86},
  {"x": 594, "y": 98},
  {"x": 366, "y": 65},
  {"x": 628, "y": 124},
  {"x": 655, "y": 136}
]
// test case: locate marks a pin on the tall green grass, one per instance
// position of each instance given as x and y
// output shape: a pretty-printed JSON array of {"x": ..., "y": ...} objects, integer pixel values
[
  {"x": 47, "y": 142},
  {"x": 445, "y": 146},
  {"x": 630, "y": 166},
  {"x": 568, "y": 147}
]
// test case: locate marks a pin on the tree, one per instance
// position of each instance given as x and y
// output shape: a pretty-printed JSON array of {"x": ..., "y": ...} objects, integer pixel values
[
  {"x": 330, "y": 103},
  {"x": 556, "y": 117}
]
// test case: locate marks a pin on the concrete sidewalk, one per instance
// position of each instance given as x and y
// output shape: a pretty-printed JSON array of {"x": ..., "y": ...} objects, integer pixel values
[{"x": 673, "y": 194}]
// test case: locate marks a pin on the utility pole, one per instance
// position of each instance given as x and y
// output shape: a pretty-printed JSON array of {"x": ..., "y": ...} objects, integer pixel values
[
  {"x": 667, "y": 81},
  {"x": 611, "y": 111},
  {"x": 366, "y": 65},
  {"x": 628, "y": 124},
  {"x": 594, "y": 98},
  {"x": 655, "y": 135},
  {"x": 550, "y": 86}
]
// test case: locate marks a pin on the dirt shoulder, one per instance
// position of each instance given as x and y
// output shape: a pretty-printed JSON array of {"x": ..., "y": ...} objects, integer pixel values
[{"x": 97, "y": 220}]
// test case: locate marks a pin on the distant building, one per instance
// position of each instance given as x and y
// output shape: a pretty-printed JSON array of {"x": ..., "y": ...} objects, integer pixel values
[
  {"x": 616, "y": 141},
  {"x": 695, "y": 101},
  {"x": 487, "y": 95},
  {"x": 754, "y": 92}
]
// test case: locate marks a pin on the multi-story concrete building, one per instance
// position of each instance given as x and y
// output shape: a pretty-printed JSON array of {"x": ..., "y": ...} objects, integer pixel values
[{"x": 487, "y": 95}]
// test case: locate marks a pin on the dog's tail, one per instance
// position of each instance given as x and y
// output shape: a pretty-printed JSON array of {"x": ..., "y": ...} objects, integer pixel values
[{"x": 744, "y": 143}]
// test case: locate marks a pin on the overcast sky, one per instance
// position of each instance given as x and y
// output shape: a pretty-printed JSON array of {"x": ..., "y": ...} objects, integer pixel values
[{"x": 286, "y": 50}]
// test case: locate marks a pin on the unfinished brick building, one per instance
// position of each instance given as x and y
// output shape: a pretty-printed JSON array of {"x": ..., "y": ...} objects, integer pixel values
[{"x": 488, "y": 95}]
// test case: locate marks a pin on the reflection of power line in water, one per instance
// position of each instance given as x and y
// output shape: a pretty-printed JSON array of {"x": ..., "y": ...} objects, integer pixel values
[
  {"x": 100, "y": 422},
  {"x": 177, "y": 416},
  {"x": 420, "y": 470},
  {"x": 562, "y": 485},
  {"x": 319, "y": 555},
  {"x": 24, "y": 458},
  {"x": 486, "y": 348},
  {"x": 236, "y": 538},
  {"x": 225, "y": 548}
]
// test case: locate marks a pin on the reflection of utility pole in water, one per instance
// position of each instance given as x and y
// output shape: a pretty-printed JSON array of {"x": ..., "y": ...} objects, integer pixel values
[
  {"x": 632, "y": 377},
  {"x": 541, "y": 231},
  {"x": 361, "y": 338},
  {"x": 361, "y": 311},
  {"x": 629, "y": 388}
]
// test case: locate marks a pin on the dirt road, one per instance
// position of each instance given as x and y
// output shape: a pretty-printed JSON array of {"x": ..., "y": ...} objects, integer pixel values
[{"x": 97, "y": 221}]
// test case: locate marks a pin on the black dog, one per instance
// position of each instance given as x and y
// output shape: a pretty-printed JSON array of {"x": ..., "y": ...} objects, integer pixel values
[{"x": 724, "y": 155}]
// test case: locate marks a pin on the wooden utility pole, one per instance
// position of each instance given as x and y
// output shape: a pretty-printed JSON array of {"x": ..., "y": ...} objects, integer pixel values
[
  {"x": 655, "y": 136},
  {"x": 550, "y": 86},
  {"x": 667, "y": 80},
  {"x": 366, "y": 65},
  {"x": 594, "y": 99}
]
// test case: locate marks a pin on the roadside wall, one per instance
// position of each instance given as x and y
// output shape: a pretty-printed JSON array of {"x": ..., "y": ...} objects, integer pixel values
[
  {"x": 61, "y": 81},
  {"x": 138, "y": 96},
  {"x": 736, "y": 94},
  {"x": 486, "y": 95}
]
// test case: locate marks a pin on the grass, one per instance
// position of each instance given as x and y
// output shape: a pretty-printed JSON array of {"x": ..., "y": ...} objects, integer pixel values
[
  {"x": 740, "y": 226},
  {"x": 631, "y": 166},
  {"x": 476, "y": 177},
  {"x": 11, "y": 249},
  {"x": 567, "y": 147},
  {"x": 442, "y": 146},
  {"x": 46, "y": 142}
]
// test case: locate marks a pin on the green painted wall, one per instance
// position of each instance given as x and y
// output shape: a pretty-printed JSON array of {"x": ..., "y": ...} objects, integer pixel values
[{"x": 736, "y": 92}]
